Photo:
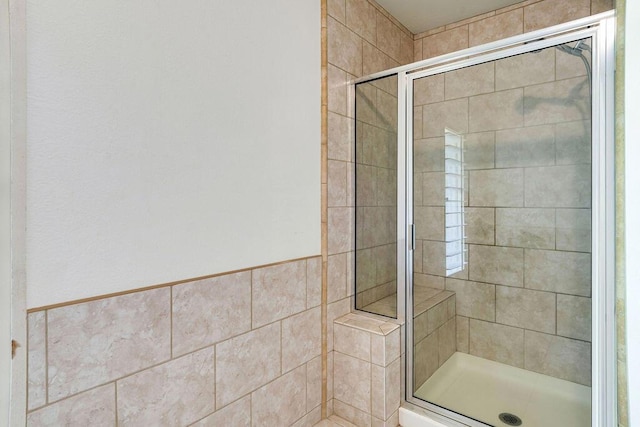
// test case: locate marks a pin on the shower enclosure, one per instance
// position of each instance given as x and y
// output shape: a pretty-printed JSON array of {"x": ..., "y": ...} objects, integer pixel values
[{"x": 483, "y": 221}]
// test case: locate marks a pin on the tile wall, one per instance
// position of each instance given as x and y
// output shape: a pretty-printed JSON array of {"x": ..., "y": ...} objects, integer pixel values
[
  {"x": 520, "y": 18},
  {"x": 368, "y": 371},
  {"x": 524, "y": 299},
  {"x": 362, "y": 38},
  {"x": 241, "y": 349}
]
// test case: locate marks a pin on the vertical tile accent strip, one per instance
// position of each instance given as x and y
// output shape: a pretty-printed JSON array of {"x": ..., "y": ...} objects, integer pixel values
[{"x": 324, "y": 106}]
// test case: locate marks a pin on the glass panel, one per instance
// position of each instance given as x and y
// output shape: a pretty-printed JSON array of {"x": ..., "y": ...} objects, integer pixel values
[
  {"x": 376, "y": 179},
  {"x": 502, "y": 265}
]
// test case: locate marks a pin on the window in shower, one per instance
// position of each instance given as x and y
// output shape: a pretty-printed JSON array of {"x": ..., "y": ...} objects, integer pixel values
[{"x": 455, "y": 253}]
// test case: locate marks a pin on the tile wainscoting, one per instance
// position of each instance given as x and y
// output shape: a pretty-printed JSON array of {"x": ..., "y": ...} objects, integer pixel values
[{"x": 242, "y": 349}]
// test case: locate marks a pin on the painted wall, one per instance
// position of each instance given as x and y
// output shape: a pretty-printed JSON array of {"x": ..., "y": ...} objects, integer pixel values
[
  {"x": 168, "y": 141},
  {"x": 632, "y": 202}
]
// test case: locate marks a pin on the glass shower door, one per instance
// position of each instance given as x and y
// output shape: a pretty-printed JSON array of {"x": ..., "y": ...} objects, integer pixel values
[{"x": 502, "y": 259}]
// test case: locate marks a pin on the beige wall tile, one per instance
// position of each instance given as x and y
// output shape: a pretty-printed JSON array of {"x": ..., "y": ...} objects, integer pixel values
[
  {"x": 496, "y": 27},
  {"x": 436, "y": 317},
  {"x": 558, "y": 357},
  {"x": 375, "y": 60},
  {"x": 433, "y": 257},
  {"x": 339, "y": 137},
  {"x": 448, "y": 114},
  {"x": 495, "y": 111},
  {"x": 352, "y": 381},
  {"x": 37, "y": 360},
  {"x": 344, "y": 48},
  {"x": 301, "y": 338},
  {"x": 352, "y": 341},
  {"x": 479, "y": 150},
  {"x": 387, "y": 185},
  {"x": 573, "y": 142},
  {"x": 417, "y": 122},
  {"x": 555, "y": 271},
  {"x": 210, "y": 310},
  {"x": 531, "y": 146},
  {"x": 557, "y": 102},
  {"x": 429, "y": 222},
  {"x": 525, "y": 227},
  {"x": 446, "y": 341},
  {"x": 236, "y": 414},
  {"x": 574, "y": 317},
  {"x": 500, "y": 343},
  {"x": 349, "y": 413},
  {"x": 178, "y": 392},
  {"x": 445, "y": 42},
  {"x": 385, "y": 348},
  {"x": 387, "y": 107},
  {"x": 385, "y": 390},
  {"x": 462, "y": 334},
  {"x": 334, "y": 311},
  {"x": 95, "y": 407},
  {"x": 281, "y": 402},
  {"x": 558, "y": 186},
  {"x": 473, "y": 299},
  {"x": 389, "y": 37},
  {"x": 112, "y": 337},
  {"x": 277, "y": 292},
  {"x": 337, "y": 274},
  {"x": 493, "y": 264},
  {"x": 337, "y": 180},
  {"x": 340, "y": 230},
  {"x": 599, "y": 6},
  {"x": 428, "y": 90},
  {"x": 573, "y": 230},
  {"x": 361, "y": 19},
  {"x": 238, "y": 373},
  {"x": 314, "y": 282},
  {"x": 432, "y": 188},
  {"x": 469, "y": 81},
  {"x": 338, "y": 92},
  {"x": 526, "y": 309},
  {"x": 392, "y": 421},
  {"x": 406, "y": 49},
  {"x": 417, "y": 50},
  {"x": 549, "y": 12},
  {"x": 428, "y": 156},
  {"x": 336, "y": 9},
  {"x": 366, "y": 103},
  {"x": 314, "y": 383},
  {"x": 386, "y": 263},
  {"x": 480, "y": 227},
  {"x": 568, "y": 66},
  {"x": 420, "y": 327},
  {"x": 425, "y": 359},
  {"x": 311, "y": 419},
  {"x": 496, "y": 187},
  {"x": 526, "y": 69}
]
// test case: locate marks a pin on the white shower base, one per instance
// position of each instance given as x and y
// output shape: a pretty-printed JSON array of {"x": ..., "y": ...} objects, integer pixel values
[{"x": 482, "y": 389}]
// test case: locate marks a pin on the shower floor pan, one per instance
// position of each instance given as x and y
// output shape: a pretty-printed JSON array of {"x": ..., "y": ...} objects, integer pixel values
[{"x": 483, "y": 389}]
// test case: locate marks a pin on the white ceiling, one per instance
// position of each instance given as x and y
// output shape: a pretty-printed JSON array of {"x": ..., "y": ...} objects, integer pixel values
[{"x": 423, "y": 15}]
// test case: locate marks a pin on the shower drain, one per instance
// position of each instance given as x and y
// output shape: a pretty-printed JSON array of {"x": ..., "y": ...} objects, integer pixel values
[{"x": 510, "y": 419}]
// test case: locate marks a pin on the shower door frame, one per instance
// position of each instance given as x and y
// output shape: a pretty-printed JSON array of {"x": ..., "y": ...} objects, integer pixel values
[{"x": 601, "y": 29}]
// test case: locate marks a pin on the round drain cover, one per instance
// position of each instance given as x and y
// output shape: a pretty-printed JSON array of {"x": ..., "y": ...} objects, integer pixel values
[{"x": 510, "y": 419}]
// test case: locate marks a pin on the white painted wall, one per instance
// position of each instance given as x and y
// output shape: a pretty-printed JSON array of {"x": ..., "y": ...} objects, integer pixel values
[
  {"x": 632, "y": 214},
  {"x": 168, "y": 140}
]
